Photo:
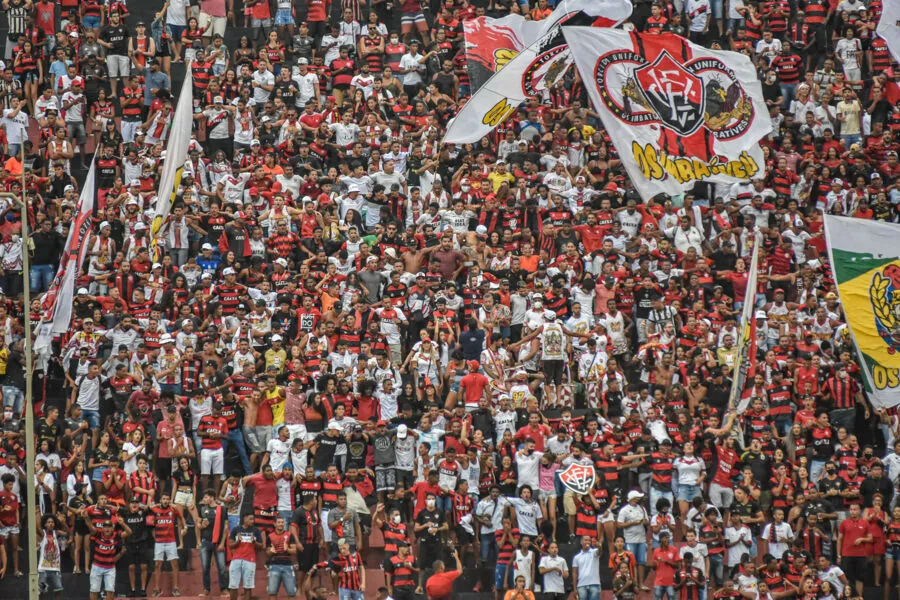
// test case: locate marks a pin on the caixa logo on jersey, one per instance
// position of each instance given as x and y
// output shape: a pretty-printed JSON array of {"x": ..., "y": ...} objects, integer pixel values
[
  {"x": 703, "y": 94},
  {"x": 546, "y": 70}
]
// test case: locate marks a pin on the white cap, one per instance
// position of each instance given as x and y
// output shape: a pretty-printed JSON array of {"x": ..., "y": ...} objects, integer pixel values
[
  {"x": 254, "y": 142},
  {"x": 82, "y": 291},
  {"x": 481, "y": 230},
  {"x": 206, "y": 276},
  {"x": 69, "y": 188},
  {"x": 140, "y": 226},
  {"x": 334, "y": 427},
  {"x": 281, "y": 262},
  {"x": 276, "y": 338},
  {"x": 207, "y": 246},
  {"x": 134, "y": 182},
  {"x": 130, "y": 201},
  {"x": 761, "y": 314},
  {"x": 104, "y": 224},
  {"x": 390, "y": 252},
  {"x": 352, "y": 188},
  {"x": 166, "y": 339},
  {"x": 372, "y": 259},
  {"x": 635, "y": 495},
  {"x": 402, "y": 431},
  {"x": 228, "y": 271},
  {"x": 837, "y": 182},
  {"x": 156, "y": 266}
]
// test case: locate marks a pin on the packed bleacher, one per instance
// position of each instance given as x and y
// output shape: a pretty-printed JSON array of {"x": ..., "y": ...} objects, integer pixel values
[{"x": 356, "y": 360}]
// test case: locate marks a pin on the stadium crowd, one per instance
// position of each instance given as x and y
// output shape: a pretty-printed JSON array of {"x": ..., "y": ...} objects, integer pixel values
[{"x": 352, "y": 327}]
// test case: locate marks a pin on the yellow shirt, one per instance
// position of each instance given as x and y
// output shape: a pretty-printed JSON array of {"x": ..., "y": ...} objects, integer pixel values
[
  {"x": 497, "y": 179},
  {"x": 4, "y": 359},
  {"x": 277, "y": 403},
  {"x": 276, "y": 358}
]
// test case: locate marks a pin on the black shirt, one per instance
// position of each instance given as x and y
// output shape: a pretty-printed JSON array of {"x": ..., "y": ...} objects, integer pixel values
[
  {"x": 137, "y": 522},
  {"x": 117, "y": 36},
  {"x": 434, "y": 517},
  {"x": 325, "y": 449}
]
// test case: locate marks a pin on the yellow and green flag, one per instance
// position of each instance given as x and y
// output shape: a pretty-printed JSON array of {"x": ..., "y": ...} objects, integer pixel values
[{"x": 865, "y": 259}]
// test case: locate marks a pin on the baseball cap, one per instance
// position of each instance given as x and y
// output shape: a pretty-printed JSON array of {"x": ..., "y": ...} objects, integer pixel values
[
  {"x": 228, "y": 271},
  {"x": 82, "y": 291},
  {"x": 207, "y": 246},
  {"x": 402, "y": 431}
]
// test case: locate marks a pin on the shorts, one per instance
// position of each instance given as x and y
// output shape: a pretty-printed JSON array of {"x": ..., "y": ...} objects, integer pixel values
[
  {"x": 183, "y": 498},
  {"x": 284, "y": 17},
  {"x": 252, "y": 440},
  {"x": 92, "y": 417},
  {"x": 175, "y": 31},
  {"x": 893, "y": 553},
  {"x": 212, "y": 462},
  {"x": 164, "y": 551},
  {"x": 553, "y": 371},
  {"x": 464, "y": 537},
  {"x": 137, "y": 554},
  {"x": 118, "y": 65},
  {"x": 385, "y": 479},
  {"x": 502, "y": 580},
  {"x": 545, "y": 495},
  {"x": 76, "y": 132},
  {"x": 211, "y": 25},
  {"x": 103, "y": 579},
  {"x": 308, "y": 557},
  {"x": 413, "y": 17},
  {"x": 687, "y": 493},
  {"x": 241, "y": 571},
  {"x": 50, "y": 581},
  {"x": 639, "y": 551},
  {"x": 260, "y": 23},
  {"x": 92, "y": 21},
  {"x": 404, "y": 477},
  {"x": 855, "y": 567},
  {"x": 606, "y": 517},
  {"x": 7, "y": 532},
  {"x": 282, "y": 574}
]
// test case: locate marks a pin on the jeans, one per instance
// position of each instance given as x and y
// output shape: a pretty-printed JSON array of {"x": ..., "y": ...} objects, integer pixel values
[
  {"x": 660, "y": 590},
  {"x": 13, "y": 396},
  {"x": 588, "y": 592},
  {"x": 716, "y": 569},
  {"x": 40, "y": 277},
  {"x": 655, "y": 495},
  {"x": 850, "y": 139},
  {"x": 345, "y": 594},
  {"x": 787, "y": 94},
  {"x": 488, "y": 547},
  {"x": 207, "y": 551},
  {"x": 720, "y": 496},
  {"x": 237, "y": 438},
  {"x": 282, "y": 574}
]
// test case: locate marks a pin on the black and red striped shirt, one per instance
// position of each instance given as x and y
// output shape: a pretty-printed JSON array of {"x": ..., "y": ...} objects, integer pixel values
[{"x": 106, "y": 549}]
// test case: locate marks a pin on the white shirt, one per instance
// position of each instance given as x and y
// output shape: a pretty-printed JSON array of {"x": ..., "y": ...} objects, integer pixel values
[
  {"x": 588, "y": 564},
  {"x": 633, "y": 534},
  {"x": 528, "y": 467},
  {"x": 15, "y": 126},
  {"x": 414, "y": 67},
  {"x": 279, "y": 452},
  {"x": 779, "y": 537},
  {"x": 554, "y": 583},
  {"x": 262, "y": 79}
]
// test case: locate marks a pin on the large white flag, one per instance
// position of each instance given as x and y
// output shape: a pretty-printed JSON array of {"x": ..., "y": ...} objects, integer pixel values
[
  {"x": 533, "y": 71},
  {"x": 492, "y": 43},
  {"x": 889, "y": 27},
  {"x": 56, "y": 304},
  {"x": 176, "y": 155},
  {"x": 677, "y": 113}
]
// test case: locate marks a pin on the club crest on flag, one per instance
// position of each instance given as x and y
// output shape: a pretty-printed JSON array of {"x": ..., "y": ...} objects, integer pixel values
[
  {"x": 701, "y": 100},
  {"x": 884, "y": 294},
  {"x": 578, "y": 478},
  {"x": 671, "y": 91},
  {"x": 546, "y": 70}
]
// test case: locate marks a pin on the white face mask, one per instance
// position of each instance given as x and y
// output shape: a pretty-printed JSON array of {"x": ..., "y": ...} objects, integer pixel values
[
  {"x": 464, "y": 188},
  {"x": 430, "y": 504},
  {"x": 397, "y": 518}
]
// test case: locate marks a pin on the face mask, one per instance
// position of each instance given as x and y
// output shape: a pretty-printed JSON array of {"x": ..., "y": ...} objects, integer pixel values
[
  {"x": 430, "y": 504},
  {"x": 397, "y": 518},
  {"x": 464, "y": 188},
  {"x": 394, "y": 40}
]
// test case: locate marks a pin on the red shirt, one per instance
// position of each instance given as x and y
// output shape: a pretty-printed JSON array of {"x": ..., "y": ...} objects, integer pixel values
[
  {"x": 474, "y": 383},
  {"x": 266, "y": 493},
  {"x": 9, "y": 509},
  {"x": 852, "y": 530},
  {"x": 538, "y": 435},
  {"x": 665, "y": 573},
  {"x": 422, "y": 489},
  {"x": 440, "y": 585},
  {"x": 164, "y": 523}
]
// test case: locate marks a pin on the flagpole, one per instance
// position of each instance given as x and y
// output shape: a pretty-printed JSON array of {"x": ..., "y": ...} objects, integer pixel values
[{"x": 30, "y": 450}]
